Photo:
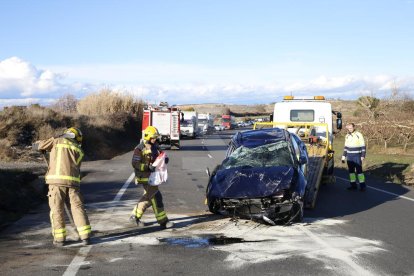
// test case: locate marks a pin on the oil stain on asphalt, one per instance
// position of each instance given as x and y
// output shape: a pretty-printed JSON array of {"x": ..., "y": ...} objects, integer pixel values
[{"x": 200, "y": 241}]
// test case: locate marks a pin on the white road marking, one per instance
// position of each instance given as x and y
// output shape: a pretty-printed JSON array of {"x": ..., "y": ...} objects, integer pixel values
[
  {"x": 209, "y": 155},
  {"x": 383, "y": 191},
  {"x": 115, "y": 260},
  {"x": 79, "y": 259}
]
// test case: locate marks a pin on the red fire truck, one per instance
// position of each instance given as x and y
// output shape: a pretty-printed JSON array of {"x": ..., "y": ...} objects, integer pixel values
[{"x": 167, "y": 120}]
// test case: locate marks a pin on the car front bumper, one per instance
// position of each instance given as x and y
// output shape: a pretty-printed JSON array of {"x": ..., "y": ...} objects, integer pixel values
[{"x": 258, "y": 209}]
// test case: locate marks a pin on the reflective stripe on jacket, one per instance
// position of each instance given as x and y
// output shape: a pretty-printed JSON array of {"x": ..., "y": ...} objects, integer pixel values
[
  {"x": 64, "y": 162},
  {"x": 144, "y": 155},
  {"x": 354, "y": 144}
]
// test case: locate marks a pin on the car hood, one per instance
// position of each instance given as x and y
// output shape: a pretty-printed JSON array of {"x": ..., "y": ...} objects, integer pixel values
[{"x": 251, "y": 182}]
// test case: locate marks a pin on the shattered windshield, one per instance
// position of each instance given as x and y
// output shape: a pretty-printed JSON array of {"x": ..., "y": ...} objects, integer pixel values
[{"x": 275, "y": 154}]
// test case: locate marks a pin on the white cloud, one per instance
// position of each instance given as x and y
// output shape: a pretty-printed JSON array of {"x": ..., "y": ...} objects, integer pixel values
[{"x": 21, "y": 82}]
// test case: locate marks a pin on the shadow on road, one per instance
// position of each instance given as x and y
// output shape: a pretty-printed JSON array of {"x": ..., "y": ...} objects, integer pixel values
[
  {"x": 334, "y": 200},
  {"x": 389, "y": 171},
  {"x": 104, "y": 237}
]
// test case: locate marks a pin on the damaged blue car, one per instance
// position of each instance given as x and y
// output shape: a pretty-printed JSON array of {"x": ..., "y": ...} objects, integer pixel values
[{"x": 263, "y": 177}]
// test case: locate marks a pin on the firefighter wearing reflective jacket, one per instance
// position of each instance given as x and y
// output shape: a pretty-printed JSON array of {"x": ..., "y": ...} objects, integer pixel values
[
  {"x": 354, "y": 154},
  {"x": 63, "y": 178},
  {"x": 144, "y": 155}
]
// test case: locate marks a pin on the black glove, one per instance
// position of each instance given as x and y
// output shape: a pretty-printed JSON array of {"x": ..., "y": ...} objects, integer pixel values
[
  {"x": 151, "y": 168},
  {"x": 167, "y": 160}
]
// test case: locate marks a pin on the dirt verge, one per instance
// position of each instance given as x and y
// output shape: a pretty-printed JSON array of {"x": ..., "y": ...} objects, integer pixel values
[{"x": 21, "y": 189}]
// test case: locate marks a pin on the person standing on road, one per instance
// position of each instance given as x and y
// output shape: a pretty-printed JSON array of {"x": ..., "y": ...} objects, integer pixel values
[
  {"x": 63, "y": 178},
  {"x": 144, "y": 156},
  {"x": 354, "y": 154}
]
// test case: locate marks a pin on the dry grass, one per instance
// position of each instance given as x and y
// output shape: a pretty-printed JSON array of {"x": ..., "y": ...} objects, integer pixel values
[
  {"x": 112, "y": 126},
  {"x": 6, "y": 152},
  {"x": 108, "y": 102}
]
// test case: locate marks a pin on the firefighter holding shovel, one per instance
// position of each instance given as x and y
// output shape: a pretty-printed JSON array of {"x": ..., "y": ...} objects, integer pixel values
[{"x": 63, "y": 178}]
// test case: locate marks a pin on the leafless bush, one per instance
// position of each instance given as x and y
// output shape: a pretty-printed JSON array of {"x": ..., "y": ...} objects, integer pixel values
[
  {"x": 386, "y": 121},
  {"x": 66, "y": 104}
]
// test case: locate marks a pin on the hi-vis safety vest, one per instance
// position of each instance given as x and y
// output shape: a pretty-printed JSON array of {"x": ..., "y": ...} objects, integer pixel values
[
  {"x": 142, "y": 158},
  {"x": 64, "y": 163},
  {"x": 354, "y": 145}
]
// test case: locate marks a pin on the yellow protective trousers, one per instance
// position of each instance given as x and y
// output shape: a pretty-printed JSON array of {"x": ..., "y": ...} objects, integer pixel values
[
  {"x": 57, "y": 197},
  {"x": 151, "y": 197}
]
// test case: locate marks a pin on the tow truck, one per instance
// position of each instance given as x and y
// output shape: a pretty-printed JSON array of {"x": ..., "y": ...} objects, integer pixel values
[
  {"x": 311, "y": 118},
  {"x": 167, "y": 120}
]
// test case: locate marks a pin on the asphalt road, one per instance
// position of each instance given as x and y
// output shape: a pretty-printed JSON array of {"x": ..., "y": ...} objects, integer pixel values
[{"x": 348, "y": 233}]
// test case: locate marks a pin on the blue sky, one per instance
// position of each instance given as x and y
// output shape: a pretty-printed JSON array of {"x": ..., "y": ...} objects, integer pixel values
[{"x": 205, "y": 51}]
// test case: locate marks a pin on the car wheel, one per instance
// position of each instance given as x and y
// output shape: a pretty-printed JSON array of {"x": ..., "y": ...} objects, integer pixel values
[{"x": 212, "y": 206}]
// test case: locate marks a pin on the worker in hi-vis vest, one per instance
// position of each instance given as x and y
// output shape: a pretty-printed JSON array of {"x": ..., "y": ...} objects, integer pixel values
[{"x": 354, "y": 154}]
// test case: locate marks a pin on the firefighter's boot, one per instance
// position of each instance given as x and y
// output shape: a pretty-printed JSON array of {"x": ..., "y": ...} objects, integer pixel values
[
  {"x": 167, "y": 225},
  {"x": 86, "y": 241}
]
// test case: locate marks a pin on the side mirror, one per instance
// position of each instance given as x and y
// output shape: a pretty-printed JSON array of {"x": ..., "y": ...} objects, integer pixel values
[
  {"x": 339, "y": 123},
  {"x": 303, "y": 160},
  {"x": 182, "y": 117},
  {"x": 271, "y": 117}
]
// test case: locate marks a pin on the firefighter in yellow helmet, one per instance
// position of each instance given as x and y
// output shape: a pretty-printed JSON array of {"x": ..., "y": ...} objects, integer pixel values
[
  {"x": 144, "y": 155},
  {"x": 63, "y": 178}
]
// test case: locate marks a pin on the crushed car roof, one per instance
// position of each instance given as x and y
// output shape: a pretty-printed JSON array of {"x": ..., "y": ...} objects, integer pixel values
[{"x": 255, "y": 138}]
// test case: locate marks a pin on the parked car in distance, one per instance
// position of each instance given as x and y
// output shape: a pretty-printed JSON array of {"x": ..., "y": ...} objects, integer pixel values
[
  {"x": 263, "y": 177},
  {"x": 219, "y": 127}
]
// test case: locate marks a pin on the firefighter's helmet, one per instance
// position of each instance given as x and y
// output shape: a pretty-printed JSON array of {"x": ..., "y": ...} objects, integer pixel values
[
  {"x": 151, "y": 133},
  {"x": 77, "y": 132}
]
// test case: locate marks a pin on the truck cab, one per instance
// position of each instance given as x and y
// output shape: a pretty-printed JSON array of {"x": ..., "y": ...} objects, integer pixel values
[
  {"x": 228, "y": 121},
  {"x": 306, "y": 110},
  {"x": 189, "y": 124},
  {"x": 205, "y": 123}
]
